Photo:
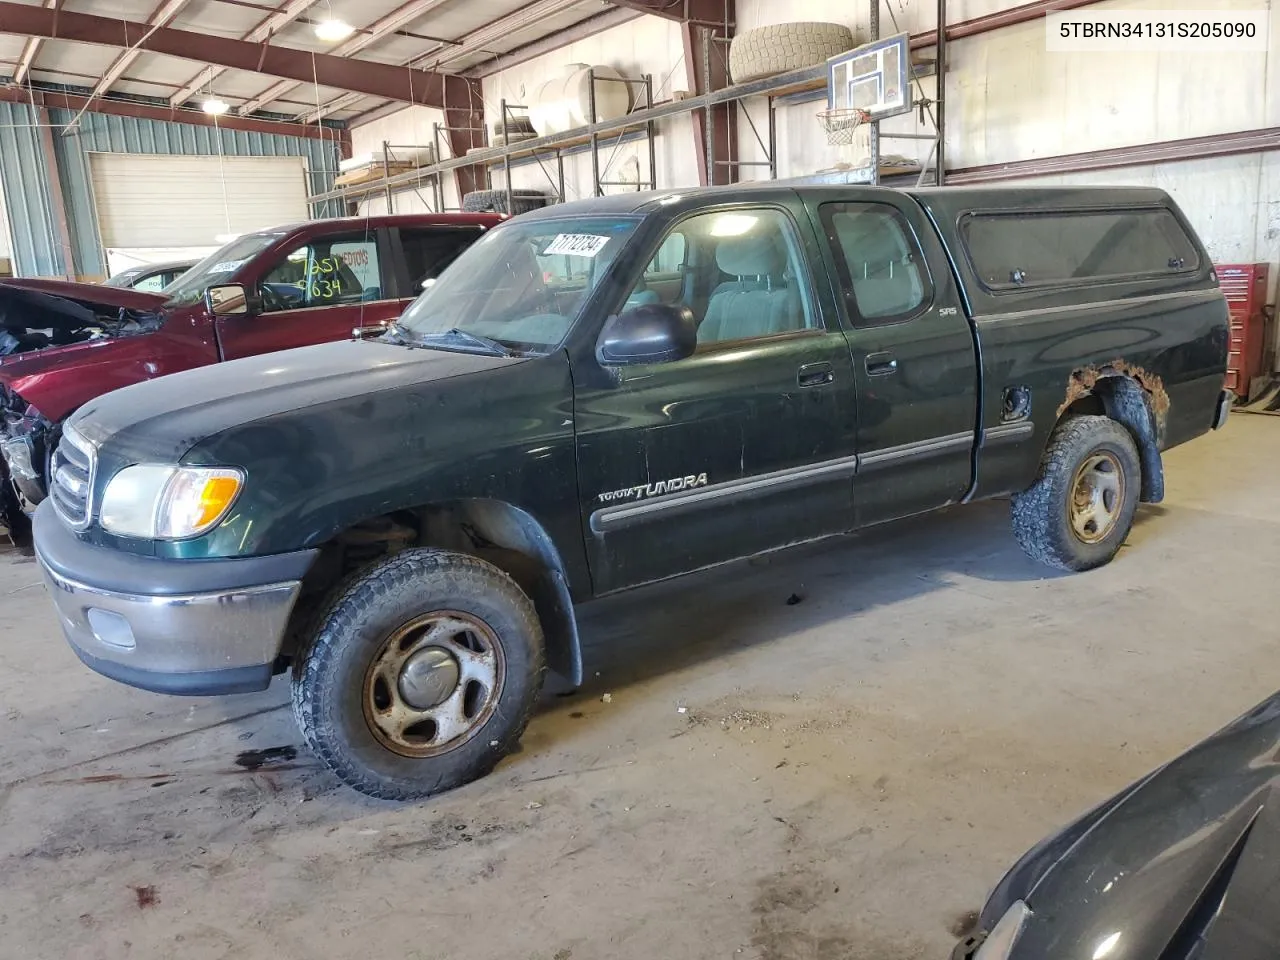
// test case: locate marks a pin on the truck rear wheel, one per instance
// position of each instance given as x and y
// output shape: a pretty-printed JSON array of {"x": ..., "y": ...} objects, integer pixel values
[
  {"x": 421, "y": 674},
  {"x": 1081, "y": 507}
]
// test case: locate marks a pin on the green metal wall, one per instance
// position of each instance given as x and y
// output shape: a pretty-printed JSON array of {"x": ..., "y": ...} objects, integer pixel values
[{"x": 36, "y": 250}]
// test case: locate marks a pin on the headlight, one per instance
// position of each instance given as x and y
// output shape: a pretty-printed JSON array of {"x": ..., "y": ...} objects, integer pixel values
[
  {"x": 1004, "y": 935},
  {"x": 154, "y": 501}
]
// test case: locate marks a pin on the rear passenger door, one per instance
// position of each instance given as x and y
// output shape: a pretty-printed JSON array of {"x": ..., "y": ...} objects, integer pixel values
[
  {"x": 315, "y": 292},
  {"x": 913, "y": 356},
  {"x": 743, "y": 447}
]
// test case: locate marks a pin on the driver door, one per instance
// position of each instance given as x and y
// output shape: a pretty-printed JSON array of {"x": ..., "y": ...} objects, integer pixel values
[{"x": 316, "y": 292}]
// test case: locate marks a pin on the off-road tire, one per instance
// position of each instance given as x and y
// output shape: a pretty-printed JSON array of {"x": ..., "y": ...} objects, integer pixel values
[
  {"x": 1042, "y": 513},
  {"x": 328, "y": 674},
  {"x": 782, "y": 47},
  {"x": 495, "y": 201}
]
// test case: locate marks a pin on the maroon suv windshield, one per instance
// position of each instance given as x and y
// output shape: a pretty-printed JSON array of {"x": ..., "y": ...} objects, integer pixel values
[{"x": 218, "y": 267}]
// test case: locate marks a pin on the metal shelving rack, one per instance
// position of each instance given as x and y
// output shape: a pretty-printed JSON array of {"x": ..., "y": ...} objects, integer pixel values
[
  {"x": 796, "y": 86},
  {"x": 808, "y": 79}
]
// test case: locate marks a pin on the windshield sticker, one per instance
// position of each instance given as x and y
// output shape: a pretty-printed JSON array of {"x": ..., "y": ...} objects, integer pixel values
[
  {"x": 576, "y": 244},
  {"x": 226, "y": 266}
]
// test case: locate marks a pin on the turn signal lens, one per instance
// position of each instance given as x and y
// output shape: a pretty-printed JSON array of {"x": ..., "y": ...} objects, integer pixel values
[{"x": 196, "y": 499}]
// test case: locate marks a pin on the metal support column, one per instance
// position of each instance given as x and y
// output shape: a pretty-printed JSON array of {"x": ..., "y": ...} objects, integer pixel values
[
  {"x": 873, "y": 134},
  {"x": 651, "y": 132},
  {"x": 708, "y": 116},
  {"x": 386, "y": 173},
  {"x": 506, "y": 159},
  {"x": 56, "y": 197},
  {"x": 773, "y": 141},
  {"x": 940, "y": 98},
  {"x": 595, "y": 137}
]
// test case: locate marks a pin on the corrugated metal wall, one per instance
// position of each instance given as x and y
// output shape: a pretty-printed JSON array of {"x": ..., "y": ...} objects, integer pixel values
[
  {"x": 26, "y": 193},
  {"x": 36, "y": 248}
]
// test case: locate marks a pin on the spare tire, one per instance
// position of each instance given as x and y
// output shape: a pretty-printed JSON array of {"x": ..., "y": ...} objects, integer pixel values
[
  {"x": 515, "y": 125},
  {"x": 783, "y": 47},
  {"x": 495, "y": 201}
]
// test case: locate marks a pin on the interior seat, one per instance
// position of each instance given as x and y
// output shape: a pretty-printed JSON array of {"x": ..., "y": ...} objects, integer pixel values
[
  {"x": 760, "y": 302},
  {"x": 642, "y": 295}
]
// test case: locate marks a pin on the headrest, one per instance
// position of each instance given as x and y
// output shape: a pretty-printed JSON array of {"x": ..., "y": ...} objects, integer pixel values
[{"x": 756, "y": 256}]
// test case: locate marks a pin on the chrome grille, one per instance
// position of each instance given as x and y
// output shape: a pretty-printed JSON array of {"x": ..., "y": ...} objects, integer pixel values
[{"x": 71, "y": 481}]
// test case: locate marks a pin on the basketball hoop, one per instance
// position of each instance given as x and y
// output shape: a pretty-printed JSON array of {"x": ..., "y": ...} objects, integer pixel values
[{"x": 841, "y": 124}]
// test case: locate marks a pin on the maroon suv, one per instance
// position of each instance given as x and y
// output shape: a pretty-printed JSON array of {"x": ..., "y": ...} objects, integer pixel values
[{"x": 62, "y": 344}]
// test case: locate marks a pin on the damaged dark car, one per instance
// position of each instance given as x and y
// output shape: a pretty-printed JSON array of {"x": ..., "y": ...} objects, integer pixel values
[
  {"x": 1184, "y": 864},
  {"x": 38, "y": 314}
]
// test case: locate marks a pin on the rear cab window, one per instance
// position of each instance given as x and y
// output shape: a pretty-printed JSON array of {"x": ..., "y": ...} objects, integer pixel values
[{"x": 1013, "y": 251}]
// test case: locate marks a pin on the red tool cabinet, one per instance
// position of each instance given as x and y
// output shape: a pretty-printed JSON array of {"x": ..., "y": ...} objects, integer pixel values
[{"x": 1245, "y": 287}]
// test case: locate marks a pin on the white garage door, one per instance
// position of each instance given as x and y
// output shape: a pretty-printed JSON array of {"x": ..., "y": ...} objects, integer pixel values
[{"x": 146, "y": 201}]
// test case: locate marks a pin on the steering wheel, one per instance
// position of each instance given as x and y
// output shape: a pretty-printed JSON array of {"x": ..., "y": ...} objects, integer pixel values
[{"x": 273, "y": 301}]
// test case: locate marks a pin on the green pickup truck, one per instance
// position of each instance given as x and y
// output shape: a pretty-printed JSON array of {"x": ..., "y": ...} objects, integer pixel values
[{"x": 608, "y": 393}]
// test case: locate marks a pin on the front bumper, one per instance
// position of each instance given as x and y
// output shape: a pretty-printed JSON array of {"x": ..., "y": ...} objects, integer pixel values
[{"x": 191, "y": 627}]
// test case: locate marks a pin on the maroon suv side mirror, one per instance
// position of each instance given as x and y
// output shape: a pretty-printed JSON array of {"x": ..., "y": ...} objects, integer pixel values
[{"x": 230, "y": 300}]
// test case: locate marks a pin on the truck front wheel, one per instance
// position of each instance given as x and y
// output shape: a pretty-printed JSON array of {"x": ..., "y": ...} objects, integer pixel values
[
  {"x": 421, "y": 674},
  {"x": 1081, "y": 507}
]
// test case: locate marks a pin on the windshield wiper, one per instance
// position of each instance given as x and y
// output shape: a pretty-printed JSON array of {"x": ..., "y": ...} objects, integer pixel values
[{"x": 496, "y": 347}]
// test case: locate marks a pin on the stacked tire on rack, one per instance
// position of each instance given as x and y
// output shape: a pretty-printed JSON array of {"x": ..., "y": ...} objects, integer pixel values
[
  {"x": 516, "y": 130},
  {"x": 783, "y": 47},
  {"x": 495, "y": 201}
]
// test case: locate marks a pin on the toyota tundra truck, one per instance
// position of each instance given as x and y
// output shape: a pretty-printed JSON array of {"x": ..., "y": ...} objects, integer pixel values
[{"x": 608, "y": 393}]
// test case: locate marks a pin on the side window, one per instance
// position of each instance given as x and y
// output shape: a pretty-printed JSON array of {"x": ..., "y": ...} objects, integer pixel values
[
  {"x": 428, "y": 250},
  {"x": 328, "y": 271},
  {"x": 741, "y": 272},
  {"x": 1013, "y": 250},
  {"x": 670, "y": 256},
  {"x": 880, "y": 265},
  {"x": 663, "y": 278},
  {"x": 153, "y": 284}
]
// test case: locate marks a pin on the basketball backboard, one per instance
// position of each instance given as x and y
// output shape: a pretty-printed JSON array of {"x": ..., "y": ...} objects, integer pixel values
[{"x": 873, "y": 77}]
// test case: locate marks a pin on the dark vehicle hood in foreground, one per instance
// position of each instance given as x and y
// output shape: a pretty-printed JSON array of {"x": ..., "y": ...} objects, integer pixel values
[
  {"x": 1183, "y": 865},
  {"x": 161, "y": 419},
  {"x": 93, "y": 294}
]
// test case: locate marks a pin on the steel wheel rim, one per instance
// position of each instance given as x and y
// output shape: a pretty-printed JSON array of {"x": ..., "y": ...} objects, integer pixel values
[
  {"x": 418, "y": 731},
  {"x": 1097, "y": 496}
]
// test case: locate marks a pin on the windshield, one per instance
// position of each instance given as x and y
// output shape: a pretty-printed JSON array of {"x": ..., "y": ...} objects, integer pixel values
[
  {"x": 218, "y": 267},
  {"x": 522, "y": 284},
  {"x": 124, "y": 279}
]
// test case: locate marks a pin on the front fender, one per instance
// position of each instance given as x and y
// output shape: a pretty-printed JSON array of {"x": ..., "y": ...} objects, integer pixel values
[{"x": 504, "y": 435}]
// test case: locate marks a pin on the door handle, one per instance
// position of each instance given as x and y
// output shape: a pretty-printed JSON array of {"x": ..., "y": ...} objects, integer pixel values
[
  {"x": 881, "y": 364},
  {"x": 815, "y": 374}
]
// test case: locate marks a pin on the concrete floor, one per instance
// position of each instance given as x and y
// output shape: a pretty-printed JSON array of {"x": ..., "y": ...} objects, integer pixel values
[{"x": 851, "y": 774}]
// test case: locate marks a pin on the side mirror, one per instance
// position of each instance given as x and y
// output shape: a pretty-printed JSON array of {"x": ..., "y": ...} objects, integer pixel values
[
  {"x": 648, "y": 333},
  {"x": 229, "y": 300}
]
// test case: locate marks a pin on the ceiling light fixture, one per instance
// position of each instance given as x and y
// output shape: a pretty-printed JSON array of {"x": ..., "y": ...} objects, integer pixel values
[
  {"x": 215, "y": 107},
  {"x": 334, "y": 31}
]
